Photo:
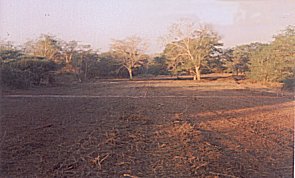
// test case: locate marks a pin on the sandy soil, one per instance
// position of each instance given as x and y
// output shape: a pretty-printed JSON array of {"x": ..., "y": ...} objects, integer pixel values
[{"x": 151, "y": 128}]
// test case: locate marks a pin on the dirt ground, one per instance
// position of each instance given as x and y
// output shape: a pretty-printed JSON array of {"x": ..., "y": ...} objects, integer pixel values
[{"x": 148, "y": 128}]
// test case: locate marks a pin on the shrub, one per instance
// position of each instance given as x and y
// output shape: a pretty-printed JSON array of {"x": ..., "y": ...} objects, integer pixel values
[
  {"x": 289, "y": 84},
  {"x": 15, "y": 78},
  {"x": 158, "y": 66},
  {"x": 274, "y": 62},
  {"x": 26, "y": 72},
  {"x": 104, "y": 68}
]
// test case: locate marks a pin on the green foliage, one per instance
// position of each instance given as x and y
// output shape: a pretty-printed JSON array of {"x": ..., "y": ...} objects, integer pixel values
[
  {"x": 214, "y": 65},
  {"x": 158, "y": 66},
  {"x": 26, "y": 72},
  {"x": 190, "y": 49},
  {"x": 15, "y": 78},
  {"x": 263, "y": 65},
  {"x": 10, "y": 54},
  {"x": 214, "y": 62},
  {"x": 289, "y": 84},
  {"x": 274, "y": 62},
  {"x": 237, "y": 58},
  {"x": 227, "y": 59},
  {"x": 107, "y": 66},
  {"x": 240, "y": 59}
]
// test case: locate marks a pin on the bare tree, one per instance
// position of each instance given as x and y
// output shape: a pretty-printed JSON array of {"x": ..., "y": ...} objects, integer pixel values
[
  {"x": 190, "y": 44},
  {"x": 86, "y": 55},
  {"x": 46, "y": 46},
  {"x": 129, "y": 52},
  {"x": 79, "y": 59},
  {"x": 68, "y": 50}
]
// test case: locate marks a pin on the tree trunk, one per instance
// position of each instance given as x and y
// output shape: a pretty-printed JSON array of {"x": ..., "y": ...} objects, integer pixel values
[
  {"x": 130, "y": 74},
  {"x": 197, "y": 75},
  {"x": 85, "y": 72},
  {"x": 78, "y": 72},
  {"x": 70, "y": 58}
]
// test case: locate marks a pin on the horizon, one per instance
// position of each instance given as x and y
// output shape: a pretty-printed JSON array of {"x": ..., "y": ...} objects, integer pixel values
[{"x": 98, "y": 22}]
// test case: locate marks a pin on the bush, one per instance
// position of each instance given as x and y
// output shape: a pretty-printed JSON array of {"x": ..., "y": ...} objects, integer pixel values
[
  {"x": 289, "y": 84},
  {"x": 156, "y": 69},
  {"x": 15, "y": 78},
  {"x": 26, "y": 72},
  {"x": 158, "y": 66},
  {"x": 105, "y": 68}
]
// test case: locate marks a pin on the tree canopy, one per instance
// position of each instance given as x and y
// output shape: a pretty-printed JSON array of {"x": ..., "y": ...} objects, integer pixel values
[
  {"x": 190, "y": 48},
  {"x": 189, "y": 45},
  {"x": 275, "y": 61},
  {"x": 130, "y": 52}
]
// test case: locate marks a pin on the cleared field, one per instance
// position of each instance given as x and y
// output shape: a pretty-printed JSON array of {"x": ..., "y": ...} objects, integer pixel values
[{"x": 150, "y": 128}]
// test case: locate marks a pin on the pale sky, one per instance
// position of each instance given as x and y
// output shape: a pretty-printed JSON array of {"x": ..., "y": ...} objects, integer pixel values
[{"x": 96, "y": 22}]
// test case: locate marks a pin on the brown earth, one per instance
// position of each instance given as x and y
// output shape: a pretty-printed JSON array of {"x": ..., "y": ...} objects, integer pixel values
[{"x": 149, "y": 128}]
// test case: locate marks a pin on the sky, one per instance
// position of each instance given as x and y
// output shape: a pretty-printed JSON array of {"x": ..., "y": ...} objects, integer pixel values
[{"x": 97, "y": 22}]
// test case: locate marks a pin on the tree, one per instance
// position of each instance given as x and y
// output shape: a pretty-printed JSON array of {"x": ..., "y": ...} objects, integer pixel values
[
  {"x": 174, "y": 61},
  {"x": 188, "y": 46},
  {"x": 88, "y": 58},
  {"x": 129, "y": 52},
  {"x": 45, "y": 46},
  {"x": 158, "y": 65},
  {"x": 227, "y": 58},
  {"x": 19, "y": 70},
  {"x": 239, "y": 56},
  {"x": 262, "y": 64},
  {"x": 9, "y": 52},
  {"x": 68, "y": 50},
  {"x": 283, "y": 47},
  {"x": 82, "y": 55},
  {"x": 216, "y": 63},
  {"x": 275, "y": 61}
]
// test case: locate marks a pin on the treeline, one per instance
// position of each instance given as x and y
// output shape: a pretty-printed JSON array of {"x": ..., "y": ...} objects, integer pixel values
[{"x": 190, "y": 49}]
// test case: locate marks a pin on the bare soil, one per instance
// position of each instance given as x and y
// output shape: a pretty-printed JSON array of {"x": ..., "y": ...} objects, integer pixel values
[{"x": 148, "y": 128}]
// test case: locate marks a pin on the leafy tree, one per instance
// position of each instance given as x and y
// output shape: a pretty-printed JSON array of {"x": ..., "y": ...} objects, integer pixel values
[
  {"x": 227, "y": 58},
  {"x": 89, "y": 59},
  {"x": 283, "y": 48},
  {"x": 189, "y": 46},
  {"x": 107, "y": 65},
  {"x": 82, "y": 57},
  {"x": 240, "y": 59},
  {"x": 262, "y": 64},
  {"x": 216, "y": 63},
  {"x": 129, "y": 52},
  {"x": 158, "y": 66},
  {"x": 275, "y": 61},
  {"x": 239, "y": 56},
  {"x": 27, "y": 71}
]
